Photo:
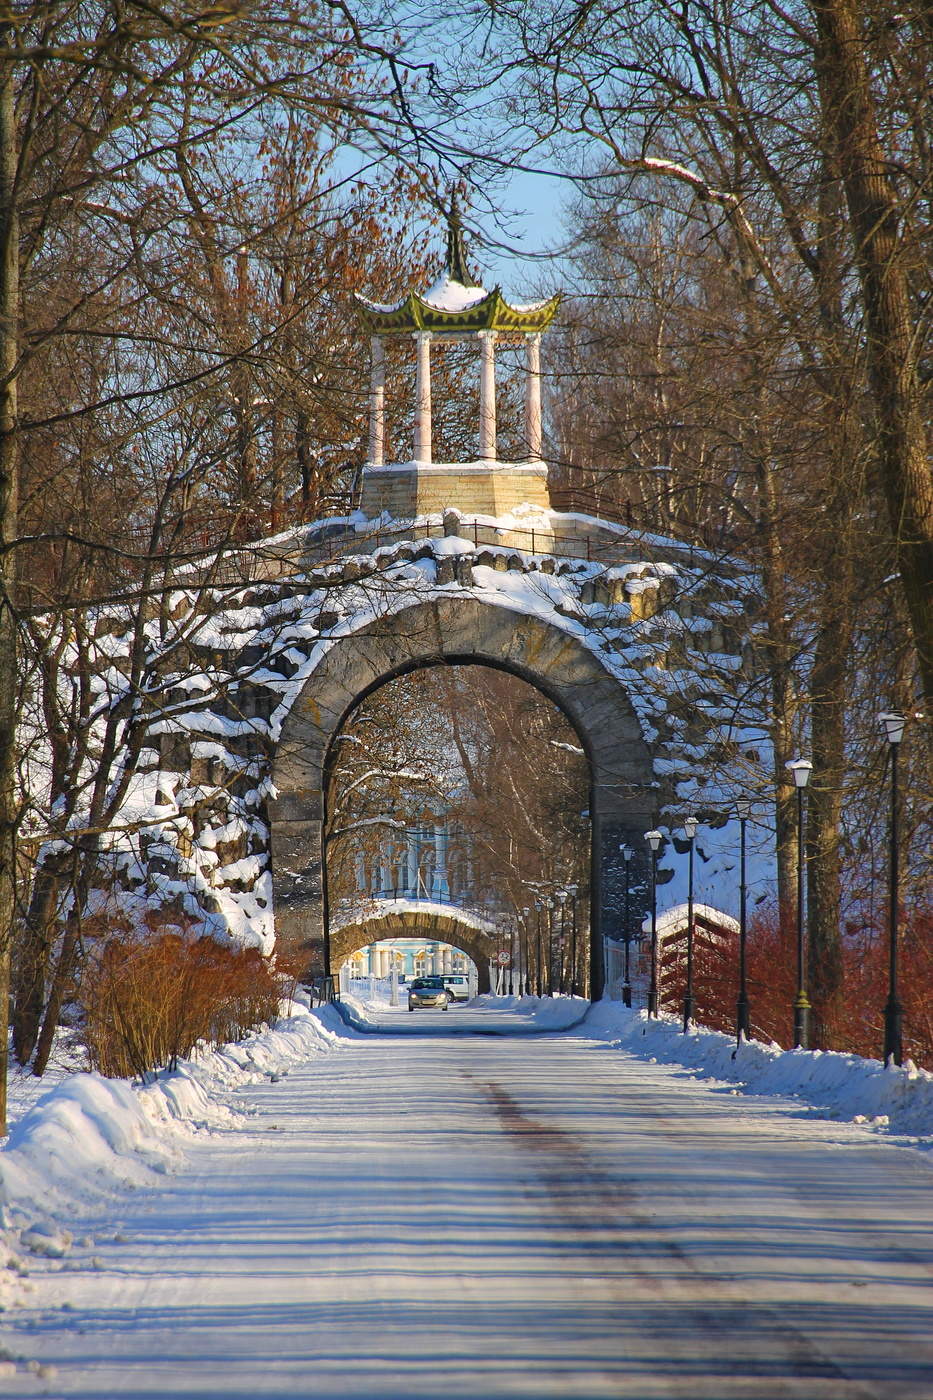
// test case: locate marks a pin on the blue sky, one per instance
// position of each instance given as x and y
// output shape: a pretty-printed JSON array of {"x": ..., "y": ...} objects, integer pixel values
[{"x": 537, "y": 229}]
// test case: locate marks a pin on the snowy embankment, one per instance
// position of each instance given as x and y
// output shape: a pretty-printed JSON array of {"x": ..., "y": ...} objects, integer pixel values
[
  {"x": 896, "y": 1100},
  {"x": 89, "y": 1135}
]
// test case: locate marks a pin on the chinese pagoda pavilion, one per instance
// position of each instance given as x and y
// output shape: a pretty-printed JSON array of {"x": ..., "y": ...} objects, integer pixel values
[{"x": 455, "y": 308}]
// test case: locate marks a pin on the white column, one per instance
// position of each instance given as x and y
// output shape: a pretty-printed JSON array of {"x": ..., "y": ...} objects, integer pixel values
[
  {"x": 377, "y": 403},
  {"x": 487, "y": 396},
  {"x": 411, "y": 883},
  {"x": 423, "y": 397},
  {"x": 439, "y": 886},
  {"x": 533, "y": 397}
]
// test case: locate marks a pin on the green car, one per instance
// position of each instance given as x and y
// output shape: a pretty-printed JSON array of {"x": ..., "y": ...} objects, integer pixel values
[{"x": 427, "y": 991}]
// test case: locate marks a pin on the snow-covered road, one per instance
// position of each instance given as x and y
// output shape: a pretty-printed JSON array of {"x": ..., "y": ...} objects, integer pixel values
[{"x": 446, "y": 1215}]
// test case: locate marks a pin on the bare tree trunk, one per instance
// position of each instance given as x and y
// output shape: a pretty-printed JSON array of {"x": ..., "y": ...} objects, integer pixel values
[
  {"x": 31, "y": 965},
  {"x": 782, "y": 686},
  {"x": 9, "y": 354},
  {"x": 824, "y": 809},
  {"x": 60, "y": 980},
  {"x": 875, "y": 220}
]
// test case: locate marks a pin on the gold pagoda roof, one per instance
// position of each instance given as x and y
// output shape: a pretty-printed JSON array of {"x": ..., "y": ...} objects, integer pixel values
[{"x": 456, "y": 305}]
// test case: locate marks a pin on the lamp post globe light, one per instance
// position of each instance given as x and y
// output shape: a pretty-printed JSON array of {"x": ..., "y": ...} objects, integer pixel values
[
  {"x": 627, "y": 854},
  {"x": 801, "y": 769},
  {"x": 893, "y": 722},
  {"x": 690, "y": 831},
  {"x": 744, "y": 808},
  {"x": 654, "y": 839}
]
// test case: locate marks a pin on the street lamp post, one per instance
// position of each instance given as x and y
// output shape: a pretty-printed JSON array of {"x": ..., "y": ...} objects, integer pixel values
[
  {"x": 627, "y": 854},
  {"x": 523, "y": 973},
  {"x": 743, "y": 807},
  {"x": 654, "y": 839},
  {"x": 551, "y": 912},
  {"x": 801, "y": 769},
  {"x": 893, "y": 722},
  {"x": 562, "y": 940},
  {"x": 572, "y": 894},
  {"x": 690, "y": 831},
  {"x": 539, "y": 982}
]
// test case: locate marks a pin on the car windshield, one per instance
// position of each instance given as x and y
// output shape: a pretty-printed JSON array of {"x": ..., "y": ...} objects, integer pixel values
[{"x": 427, "y": 984}]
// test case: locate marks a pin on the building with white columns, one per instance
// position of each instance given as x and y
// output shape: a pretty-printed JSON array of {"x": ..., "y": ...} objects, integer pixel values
[{"x": 455, "y": 308}]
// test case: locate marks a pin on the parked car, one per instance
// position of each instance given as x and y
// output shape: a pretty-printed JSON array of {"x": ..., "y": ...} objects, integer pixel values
[
  {"x": 458, "y": 986},
  {"x": 428, "y": 991}
]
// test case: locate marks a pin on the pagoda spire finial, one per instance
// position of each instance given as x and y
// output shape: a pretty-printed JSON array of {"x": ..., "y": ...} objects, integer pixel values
[{"x": 456, "y": 257}]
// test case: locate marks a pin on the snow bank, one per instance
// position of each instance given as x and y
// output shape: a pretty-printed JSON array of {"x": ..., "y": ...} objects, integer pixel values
[
  {"x": 89, "y": 1135},
  {"x": 838, "y": 1086},
  {"x": 547, "y": 1013}
]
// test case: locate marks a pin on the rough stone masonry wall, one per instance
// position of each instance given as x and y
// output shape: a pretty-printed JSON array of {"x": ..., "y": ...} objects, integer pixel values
[{"x": 679, "y": 639}]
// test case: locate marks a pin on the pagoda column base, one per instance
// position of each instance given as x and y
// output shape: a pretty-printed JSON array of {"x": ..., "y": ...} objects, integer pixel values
[{"x": 406, "y": 490}]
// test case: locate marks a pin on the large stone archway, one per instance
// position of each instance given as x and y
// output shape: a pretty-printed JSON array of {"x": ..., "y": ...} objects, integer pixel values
[
  {"x": 471, "y": 936},
  {"x": 456, "y": 629}
]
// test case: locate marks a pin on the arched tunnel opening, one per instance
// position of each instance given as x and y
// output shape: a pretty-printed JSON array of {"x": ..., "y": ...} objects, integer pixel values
[
  {"x": 381, "y": 971},
  {"x": 458, "y": 810}
]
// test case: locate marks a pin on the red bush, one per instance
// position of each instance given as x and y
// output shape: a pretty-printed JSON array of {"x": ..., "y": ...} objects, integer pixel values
[{"x": 852, "y": 1022}]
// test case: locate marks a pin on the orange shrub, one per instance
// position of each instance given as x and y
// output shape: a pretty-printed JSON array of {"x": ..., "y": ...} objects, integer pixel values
[{"x": 148, "y": 1002}]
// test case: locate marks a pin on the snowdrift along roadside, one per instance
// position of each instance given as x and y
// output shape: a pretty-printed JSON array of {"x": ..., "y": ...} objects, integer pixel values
[
  {"x": 837, "y": 1086},
  {"x": 90, "y": 1135}
]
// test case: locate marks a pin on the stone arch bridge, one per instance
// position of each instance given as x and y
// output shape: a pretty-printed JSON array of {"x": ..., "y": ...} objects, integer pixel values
[
  {"x": 386, "y": 921},
  {"x": 646, "y": 646}
]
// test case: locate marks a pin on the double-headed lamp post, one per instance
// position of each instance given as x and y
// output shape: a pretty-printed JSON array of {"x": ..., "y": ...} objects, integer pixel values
[
  {"x": 801, "y": 769},
  {"x": 744, "y": 808},
  {"x": 627, "y": 854},
  {"x": 654, "y": 839},
  {"x": 893, "y": 722},
  {"x": 690, "y": 831}
]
